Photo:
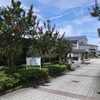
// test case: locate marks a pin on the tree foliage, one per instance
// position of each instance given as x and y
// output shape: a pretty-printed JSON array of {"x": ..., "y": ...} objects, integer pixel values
[
  {"x": 96, "y": 13},
  {"x": 46, "y": 43},
  {"x": 44, "y": 40},
  {"x": 63, "y": 47},
  {"x": 14, "y": 26}
]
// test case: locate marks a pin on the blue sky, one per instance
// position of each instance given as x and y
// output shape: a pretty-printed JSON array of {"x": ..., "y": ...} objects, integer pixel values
[{"x": 70, "y": 16}]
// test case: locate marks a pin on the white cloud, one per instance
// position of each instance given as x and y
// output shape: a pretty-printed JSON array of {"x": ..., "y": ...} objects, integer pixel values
[
  {"x": 84, "y": 19},
  {"x": 94, "y": 42},
  {"x": 8, "y": 2},
  {"x": 56, "y": 17},
  {"x": 88, "y": 28},
  {"x": 41, "y": 24},
  {"x": 66, "y": 4},
  {"x": 78, "y": 22},
  {"x": 39, "y": 16},
  {"x": 68, "y": 29},
  {"x": 82, "y": 11},
  {"x": 92, "y": 3},
  {"x": 5, "y": 2},
  {"x": 27, "y": 8},
  {"x": 60, "y": 15},
  {"x": 77, "y": 13},
  {"x": 36, "y": 11}
]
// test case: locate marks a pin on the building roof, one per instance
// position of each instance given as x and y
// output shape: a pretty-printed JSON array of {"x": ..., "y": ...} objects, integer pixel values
[
  {"x": 79, "y": 50},
  {"x": 74, "y": 38},
  {"x": 94, "y": 50},
  {"x": 88, "y": 45}
]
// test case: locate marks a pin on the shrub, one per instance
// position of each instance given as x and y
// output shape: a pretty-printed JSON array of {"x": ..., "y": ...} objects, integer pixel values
[
  {"x": 44, "y": 73},
  {"x": 57, "y": 69},
  {"x": 4, "y": 68},
  {"x": 55, "y": 62},
  {"x": 23, "y": 66},
  {"x": 32, "y": 74},
  {"x": 68, "y": 66},
  {"x": 8, "y": 81}
]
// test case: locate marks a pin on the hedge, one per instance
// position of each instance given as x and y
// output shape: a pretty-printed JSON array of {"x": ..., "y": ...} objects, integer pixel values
[{"x": 32, "y": 74}]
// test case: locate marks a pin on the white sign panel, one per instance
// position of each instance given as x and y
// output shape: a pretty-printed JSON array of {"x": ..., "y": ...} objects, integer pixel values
[{"x": 33, "y": 61}]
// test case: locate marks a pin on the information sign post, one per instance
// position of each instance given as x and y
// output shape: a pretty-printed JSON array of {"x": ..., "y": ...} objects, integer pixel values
[{"x": 33, "y": 61}]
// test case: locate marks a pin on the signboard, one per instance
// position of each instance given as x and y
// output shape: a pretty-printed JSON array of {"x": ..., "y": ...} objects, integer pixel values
[{"x": 33, "y": 61}]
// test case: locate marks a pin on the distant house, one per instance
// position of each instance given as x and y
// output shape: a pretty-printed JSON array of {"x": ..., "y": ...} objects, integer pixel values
[{"x": 80, "y": 45}]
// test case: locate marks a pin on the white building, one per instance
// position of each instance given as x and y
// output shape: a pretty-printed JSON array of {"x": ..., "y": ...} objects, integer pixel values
[{"x": 81, "y": 46}]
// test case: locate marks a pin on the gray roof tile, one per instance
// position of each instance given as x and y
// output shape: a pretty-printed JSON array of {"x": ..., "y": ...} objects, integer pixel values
[{"x": 74, "y": 38}]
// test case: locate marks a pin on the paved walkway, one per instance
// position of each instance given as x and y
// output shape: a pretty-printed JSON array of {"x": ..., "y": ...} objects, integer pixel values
[{"x": 81, "y": 84}]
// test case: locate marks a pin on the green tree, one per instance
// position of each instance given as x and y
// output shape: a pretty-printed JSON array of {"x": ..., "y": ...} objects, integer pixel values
[
  {"x": 14, "y": 26},
  {"x": 63, "y": 47},
  {"x": 43, "y": 41},
  {"x": 96, "y": 13},
  {"x": 52, "y": 52}
]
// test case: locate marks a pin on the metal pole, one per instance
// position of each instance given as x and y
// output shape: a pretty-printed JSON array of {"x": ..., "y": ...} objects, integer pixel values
[
  {"x": 26, "y": 64},
  {"x": 40, "y": 63}
]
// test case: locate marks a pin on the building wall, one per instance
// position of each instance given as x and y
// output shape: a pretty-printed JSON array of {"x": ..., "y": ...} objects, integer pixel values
[
  {"x": 83, "y": 40},
  {"x": 77, "y": 44}
]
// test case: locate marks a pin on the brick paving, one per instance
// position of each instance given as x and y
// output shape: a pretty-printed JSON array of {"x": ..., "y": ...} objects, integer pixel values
[{"x": 81, "y": 84}]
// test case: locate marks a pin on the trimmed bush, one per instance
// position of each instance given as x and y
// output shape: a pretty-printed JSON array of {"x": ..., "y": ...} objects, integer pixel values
[
  {"x": 9, "y": 81},
  {"x": 35, "y": 74},
  {"x": 57, "y": 69},
  {"x": 68, "y": 66},
  {"x": 32, "y": 74}
]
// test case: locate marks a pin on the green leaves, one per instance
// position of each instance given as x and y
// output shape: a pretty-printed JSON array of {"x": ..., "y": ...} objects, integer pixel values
[
  {"x": 96, "y": 13},
  {"x": 14, "y": 26},
  {"x": 32, "y": 74},
  {"x": 47, "y": 43},
  {"x": 44, "y": 39},
  {"x": 63, "y": 46}
]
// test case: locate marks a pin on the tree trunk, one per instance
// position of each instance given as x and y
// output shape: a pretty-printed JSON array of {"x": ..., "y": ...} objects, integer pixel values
[
  {"x": 8, "y": 61},
  {"x": 12, "y": 59},
  {"x": 11, "y": 62},
  {"x": 60, "y": 58},
  {"x": 42, "y": 64},
  {"x": 50, "y": 59}
]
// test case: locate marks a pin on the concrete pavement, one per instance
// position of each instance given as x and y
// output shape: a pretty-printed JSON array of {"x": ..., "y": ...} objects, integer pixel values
[{"x": 81, "y": 84}]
